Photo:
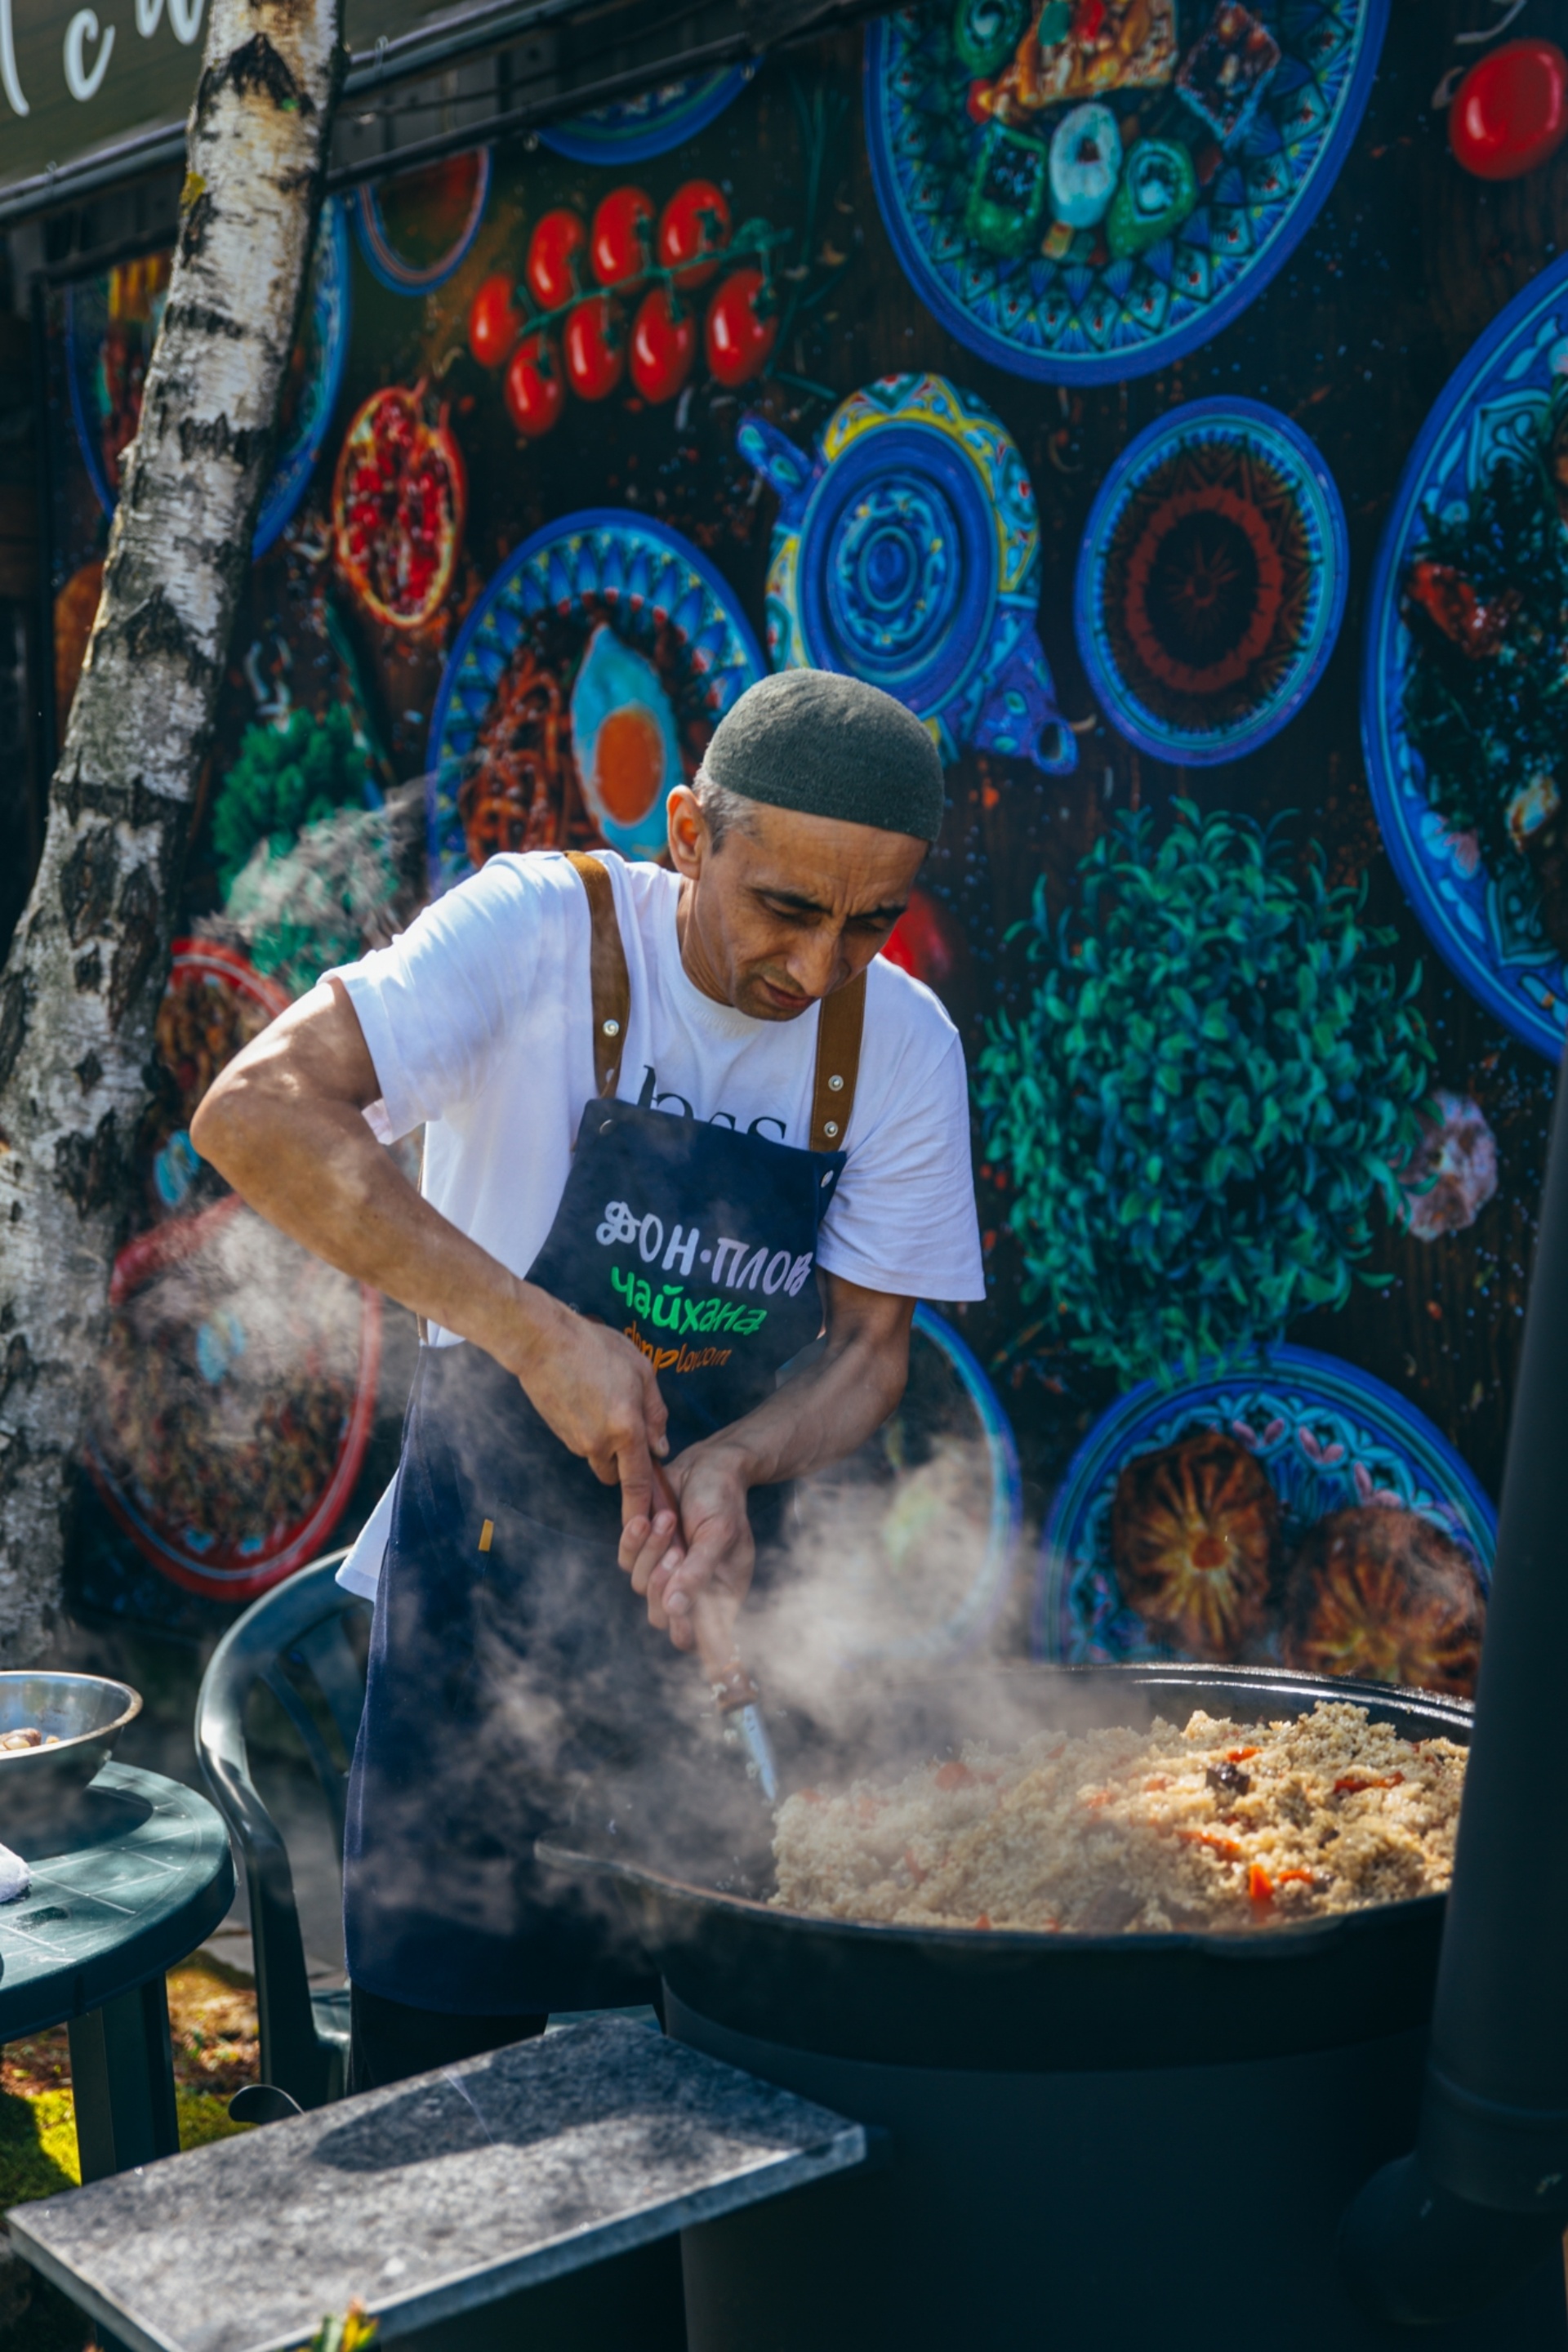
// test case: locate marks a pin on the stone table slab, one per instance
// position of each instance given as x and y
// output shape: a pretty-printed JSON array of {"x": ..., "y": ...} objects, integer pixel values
[{"x": 431, "y": 2198}]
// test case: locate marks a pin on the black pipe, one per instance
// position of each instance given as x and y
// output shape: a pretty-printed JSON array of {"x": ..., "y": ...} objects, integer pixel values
[{"x": 1485, "y": 2192}]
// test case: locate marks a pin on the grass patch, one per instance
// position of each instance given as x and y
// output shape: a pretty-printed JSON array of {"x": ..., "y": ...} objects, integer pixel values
[{"x": 38, "y": 2146}]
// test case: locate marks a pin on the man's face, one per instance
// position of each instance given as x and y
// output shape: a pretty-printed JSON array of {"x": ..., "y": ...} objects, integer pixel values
[{"x": 789, "y": 907}]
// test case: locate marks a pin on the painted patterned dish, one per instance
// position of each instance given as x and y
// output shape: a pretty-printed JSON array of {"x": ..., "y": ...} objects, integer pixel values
[
  {"x": 967, "y": 208},
  {"x": 1212, "y": 581},
  {"x": 632, "y": 129},
  {"x": 215, "y": 1002},
  {"x": 594, "y": 666},
  {"x": 415, "y": 229},
  {"x": 907, "y": 551},
  {"x": 1486, "y": 927},
  {"x": 104, "y": 370},
  {"x": 237, "y": 1392},
  {"x": 917, "y": 1532},
  {"x": 1331, "y": 1438}
]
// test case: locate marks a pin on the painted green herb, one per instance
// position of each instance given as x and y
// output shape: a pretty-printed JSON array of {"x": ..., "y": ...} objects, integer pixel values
[
  {"x": 1215, "y": 1077},
  {"x": 308, "y": 871},
  {"x": 284, "y": 778}
]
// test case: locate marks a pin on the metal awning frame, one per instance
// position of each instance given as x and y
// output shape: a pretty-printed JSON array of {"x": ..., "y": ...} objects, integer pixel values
[{"x": 760, "y": 27}]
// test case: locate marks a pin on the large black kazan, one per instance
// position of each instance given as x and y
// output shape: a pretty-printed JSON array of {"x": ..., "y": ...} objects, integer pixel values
[{"x": 1347, "y": 2134}]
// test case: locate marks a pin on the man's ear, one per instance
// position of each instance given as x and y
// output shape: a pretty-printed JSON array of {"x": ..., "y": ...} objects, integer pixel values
[{"x": 688, "y": 835}]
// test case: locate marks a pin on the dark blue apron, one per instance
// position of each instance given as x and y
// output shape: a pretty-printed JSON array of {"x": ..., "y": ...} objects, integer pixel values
[{"x": 511, "y": 1664}]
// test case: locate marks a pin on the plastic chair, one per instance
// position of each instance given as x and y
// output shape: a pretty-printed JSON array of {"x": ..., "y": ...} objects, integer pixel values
[{"x": 294, "y": 1640}]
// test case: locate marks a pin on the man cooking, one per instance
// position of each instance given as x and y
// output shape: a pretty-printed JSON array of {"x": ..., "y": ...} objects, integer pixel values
[{"x": 677, "y": 1124}]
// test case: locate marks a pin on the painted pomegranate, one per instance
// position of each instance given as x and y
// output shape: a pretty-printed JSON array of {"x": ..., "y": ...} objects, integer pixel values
[{"x": 399, "y": 498}]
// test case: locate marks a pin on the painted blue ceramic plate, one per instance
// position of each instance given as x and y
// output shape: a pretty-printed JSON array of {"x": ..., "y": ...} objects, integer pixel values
[
  {"x": 906, "y": 550},
  {"x": 507, "y": 708},
  {"x": 632, "y": 129},
  {"x": 1485, "y": 927},
  {"x": 916, "y": 1535},
  {"x": 1212, "y": 581},
  {"x": 453, "y": 192},
  {"x": 1331, "y": 1437},
  {"x": 327, "y": 333},
  {"x": 1085, "y": 317}
]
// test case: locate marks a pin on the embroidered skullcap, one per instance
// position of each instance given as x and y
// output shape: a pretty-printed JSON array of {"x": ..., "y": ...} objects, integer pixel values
[{"x": 828, "y": 746}]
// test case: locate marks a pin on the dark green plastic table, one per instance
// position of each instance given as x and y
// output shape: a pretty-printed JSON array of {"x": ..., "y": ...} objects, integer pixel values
[{"x": 140, "y": 1877}]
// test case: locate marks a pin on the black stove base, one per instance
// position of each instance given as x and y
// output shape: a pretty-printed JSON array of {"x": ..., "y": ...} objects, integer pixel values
[{"x": 1177, "y": 2207}]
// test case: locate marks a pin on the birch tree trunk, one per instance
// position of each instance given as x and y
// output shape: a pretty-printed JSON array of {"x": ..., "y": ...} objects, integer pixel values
[{"x": 81, "y": 991}]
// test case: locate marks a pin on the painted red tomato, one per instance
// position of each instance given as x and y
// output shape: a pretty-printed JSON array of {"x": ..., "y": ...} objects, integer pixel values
[
  {"x": 554, "y": 267},
  {"x": 623, "y": 237},
  {"x": 493, "y": 322},
  {"x": 596, "y": 341},
  {"x": 924, "y": 940},
  {"x": 743, "y": 327},
  {"x": 695, "y": 222},
  {"x": 1510, "y": 111},
  {"x": 534, "y": 388},
  {"x": 664, "y": 344},
  {"x": 399, "y": 498}
]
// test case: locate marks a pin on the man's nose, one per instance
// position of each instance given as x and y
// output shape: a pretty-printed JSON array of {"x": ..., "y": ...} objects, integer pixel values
[{"x": 814, "y": 962}]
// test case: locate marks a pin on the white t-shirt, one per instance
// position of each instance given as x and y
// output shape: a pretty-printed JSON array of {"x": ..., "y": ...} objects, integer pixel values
[{"x": 478, "y": 1020}]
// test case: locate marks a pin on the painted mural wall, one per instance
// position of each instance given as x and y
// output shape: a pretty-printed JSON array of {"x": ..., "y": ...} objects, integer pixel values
[{"x": 1169, "y": 402}]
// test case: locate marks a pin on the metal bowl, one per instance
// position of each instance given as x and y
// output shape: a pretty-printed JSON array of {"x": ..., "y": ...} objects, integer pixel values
[{"x": 85, "y": 1714}]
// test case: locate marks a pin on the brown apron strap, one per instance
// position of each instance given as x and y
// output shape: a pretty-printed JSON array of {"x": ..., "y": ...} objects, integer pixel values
[
  {"x": 839, "y": 1023},
  {"x": 838, "y": 1027},
  {"x": 612, "y": 987}
]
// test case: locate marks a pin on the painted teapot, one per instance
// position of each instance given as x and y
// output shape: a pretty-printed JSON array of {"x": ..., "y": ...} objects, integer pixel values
[{"x": 907, "y": 553}]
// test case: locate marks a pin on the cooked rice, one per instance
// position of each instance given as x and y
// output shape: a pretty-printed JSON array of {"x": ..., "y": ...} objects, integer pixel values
[{"x": 1221, "y": 1825}]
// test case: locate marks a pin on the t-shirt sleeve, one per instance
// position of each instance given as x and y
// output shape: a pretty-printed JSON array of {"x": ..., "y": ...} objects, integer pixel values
[
  {"x": 438, "y": 1004},
  {"x": 903, "y": 1218}
]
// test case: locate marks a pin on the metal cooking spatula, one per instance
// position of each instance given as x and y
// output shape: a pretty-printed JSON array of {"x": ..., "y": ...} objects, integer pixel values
[{"x": 736, "y": 1694}]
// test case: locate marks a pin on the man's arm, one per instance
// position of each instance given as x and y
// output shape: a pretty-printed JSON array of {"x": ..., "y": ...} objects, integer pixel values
[
  {"x": 284, "y": 1124},
  {"x": 695, "y": 1586}
]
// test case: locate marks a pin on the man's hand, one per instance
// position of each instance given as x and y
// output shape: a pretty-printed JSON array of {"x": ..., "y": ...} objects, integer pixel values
[
  {"x": 695, "y": 1583},
  {"x": 595, "y": 1391},
  {"x": 695, "y": 1576}
]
